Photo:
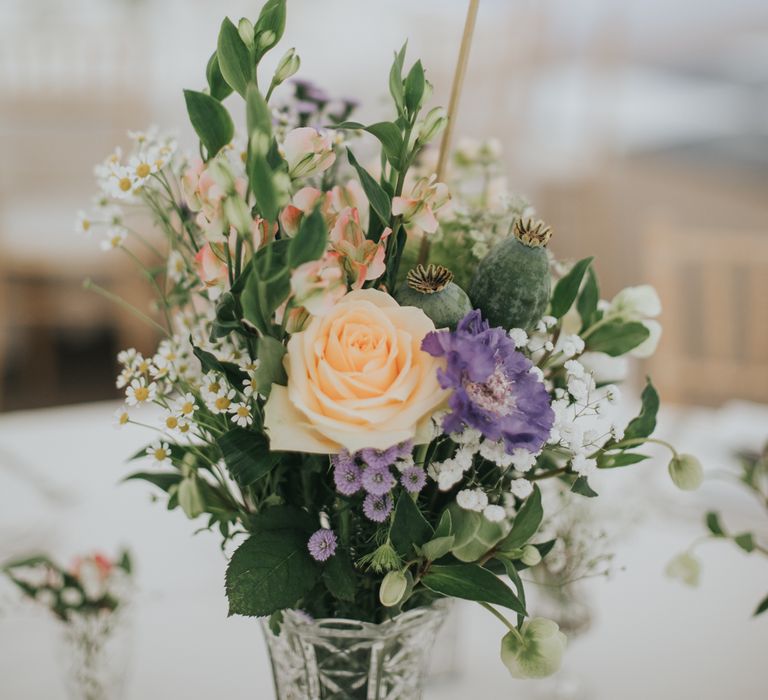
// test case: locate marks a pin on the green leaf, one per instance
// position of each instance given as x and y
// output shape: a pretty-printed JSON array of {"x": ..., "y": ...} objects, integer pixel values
[
  {"x": 471, "y": 582},
  {"x": 409, "y": 526},
  {"x": 210, "y": 120},
  {"x": 587, "y": 302},
  {"x": 391, "y": 140},
  {"x": 396, "y": 79},
  {"x": 445, "y": 526},
  {"x": 310, "y": 242},
  {"x": 26, "y": 561},
  {"x": 270, "y": 370},
  {"x": 163, "y": 480},
  {"x": 713, "y": 523},
  {"x": 262, "y": 183},
  {"x": 339, "y": 576},
  {"x": 514, "y": 576},
  {"x": 216, "y": 84},
  {"x": 624, "y": 459},
  {"x": 246, "y": 454},
  {"x": 267, "y": 286},
  {"x": 568, "y": 287},
  {"x": 378, "y": 198},
  {"x": 283, "y": 518},
  {"x": 258, "y": 117},
  {"x": 414, "y": 87},
  {"x": 437, "y": 547},
  {"x": 270, "y": 571},
  {"x": 235, "y": 376},
  {"x": 526, "y": 523},
  {"x": 645, "y": 422},
  {"x": 234, "y": 58},
  {"x": 746, "y": 541},
  {"x": 582, "y": 487},
  {"x": 617, "y": 337},
  {"x": 762, "y": 606}
]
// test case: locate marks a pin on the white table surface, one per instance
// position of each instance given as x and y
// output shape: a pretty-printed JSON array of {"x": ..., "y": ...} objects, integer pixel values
[{"x": 651, "y": 638}]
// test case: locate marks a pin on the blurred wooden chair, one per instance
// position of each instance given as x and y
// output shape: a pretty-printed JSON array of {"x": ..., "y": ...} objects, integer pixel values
[
  {"x": 714, "y": 290},
  {"x": 68, "y": 97}
]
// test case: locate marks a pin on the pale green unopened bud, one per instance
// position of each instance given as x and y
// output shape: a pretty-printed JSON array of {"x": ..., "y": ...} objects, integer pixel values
[
  {"x": 221, "y": 174},
  {"x": 686, "y": 472},
  {"x": 238, "y": 214},
  {"x": 686, "y": 568},
  {"x": 536, "y": 651},
  {"x": 393, "y": 588},
  {"x": 190, "y": 497},
  {"x": 260, "y": 143},
  {"x": 287, "y": 67},
  {"x": 531, "y": 556},
  {"x": 435, "y": 121},
  {"x": 245, "y": 30},
  {"x": 267, "y": 39}
]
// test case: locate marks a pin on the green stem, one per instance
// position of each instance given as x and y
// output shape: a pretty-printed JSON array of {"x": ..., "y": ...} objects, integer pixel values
[
  {"x": 506, "y": 622},
  {"x": 91, "y": 286},
  {"x": 631, "y": 442}
]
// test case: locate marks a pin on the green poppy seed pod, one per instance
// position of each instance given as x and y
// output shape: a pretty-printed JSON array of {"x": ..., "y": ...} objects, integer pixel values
[
  {"x": 686, "y": 472},
  {"x": 536, "y": 651},
  {"x": 393, "y": 588},
  {"x": 432, "y": 290},
  {"x": 287, "y": 66},
  {"x": 531, "y": 556}
]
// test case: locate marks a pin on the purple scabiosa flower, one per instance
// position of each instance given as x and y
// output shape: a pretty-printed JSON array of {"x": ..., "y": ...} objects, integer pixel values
[
  {"x": 322, "y": 544},
  {"x": 413, "y": 479},
  {"x": 377, "y": 508},
  {"x": 385, "y": 458},
  {"x": 346, "y": 473},
  {"x": 377, "y": 480},
  {"x": 494, "y": 390}
]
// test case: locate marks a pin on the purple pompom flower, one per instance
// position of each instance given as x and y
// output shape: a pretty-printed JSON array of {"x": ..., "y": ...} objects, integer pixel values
[
  {"x": 378, "y": 480},
  {"x": 494, "y": 390},
  {"x": 346, "y": 473},
  {"x": 413, "y": 479},
  {"x": 322, "y": 544},
  {"x": 385, "y": 458},
  {"x": 377, "y": 508}
]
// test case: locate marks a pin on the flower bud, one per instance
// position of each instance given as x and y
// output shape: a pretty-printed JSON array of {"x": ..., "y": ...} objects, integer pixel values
[
  {"x": 287, "y": 66},
  {"x": 435, "y": 121},
  {"x": 686, "y": 472},
  {"x": 686, "y": 568},
  {"x": 267, "y": 39},
  {"x": 393, "y": 588},
  {"x": 245, "y": 30},
  {"x": 536, "y": 651},
  {"x": 531, "y": 556}
]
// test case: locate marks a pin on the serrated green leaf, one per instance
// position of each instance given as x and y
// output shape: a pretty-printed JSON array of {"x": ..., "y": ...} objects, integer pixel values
[
  {"x": 582, "y": 487},
  {"x": 270, "y": 571},
  {"x": 219, "y": 88},
  {"x": 526, "y": 523},
  {"x": 234, "y": 58},
  {"x": 210, "y": 120},
  {"x": 378, "y": 198},
  {"x": 283, "y": 518},
  {"x": 568, "y": 287},
  {"x": 617, "y": 337},
  {"x": 409, "y": 526},
  {"x": 247, "y": 455},
  {"x": 471, "y": 582}
]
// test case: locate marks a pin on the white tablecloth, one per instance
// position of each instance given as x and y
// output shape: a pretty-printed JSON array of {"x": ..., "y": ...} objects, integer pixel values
[{"x": 651, "y": 637}]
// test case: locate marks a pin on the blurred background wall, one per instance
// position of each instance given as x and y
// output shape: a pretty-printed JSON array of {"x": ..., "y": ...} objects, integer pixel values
[{"x": 639, "y": 129}]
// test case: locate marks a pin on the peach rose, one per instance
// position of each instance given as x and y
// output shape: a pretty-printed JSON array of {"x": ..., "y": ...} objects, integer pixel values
[{"x": 357, "y": 378}]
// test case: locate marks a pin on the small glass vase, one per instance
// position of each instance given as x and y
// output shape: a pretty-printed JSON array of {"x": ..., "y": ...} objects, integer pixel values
[
  {"x": 337, "y": 659},
  {"x": 95, "y": 653}
]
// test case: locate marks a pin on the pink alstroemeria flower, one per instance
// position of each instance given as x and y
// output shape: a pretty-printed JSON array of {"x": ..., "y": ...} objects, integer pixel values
[
  {"x": 303, "y": 203},
  {"x": 418, "y": 210},
  {"x": 308, "y": 151},
  {"x": 362, "y": 258},
  {"x": 211, "y": 268},
  {"x": 317, "y": 285}
]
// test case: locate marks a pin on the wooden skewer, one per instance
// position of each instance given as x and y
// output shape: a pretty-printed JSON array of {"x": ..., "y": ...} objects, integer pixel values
[{"x": 453, "y": 106}]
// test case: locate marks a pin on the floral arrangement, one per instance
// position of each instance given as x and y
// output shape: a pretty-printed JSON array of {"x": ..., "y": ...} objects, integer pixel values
[
  {"x": 753, "y": 478},
  {"x": 368, "y": 430},
  {"x": 93, "y": 585}
]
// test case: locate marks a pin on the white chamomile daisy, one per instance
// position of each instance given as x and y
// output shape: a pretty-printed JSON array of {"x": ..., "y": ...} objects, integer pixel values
[
  {"x": 160, "y": 453},
  {"x": 114, "y": 238},
  {"x": 121, "y": 417},
  {"x": 177, "y": 266},
  {"x": 84, "y": 223},
  {"x": 222, "y": 402},
  {"x": 186, "y": 406},
  {"x": 241, "y": 414},
  {"x": 212, "y": 384},
  {"x": 140, "y": 392}
]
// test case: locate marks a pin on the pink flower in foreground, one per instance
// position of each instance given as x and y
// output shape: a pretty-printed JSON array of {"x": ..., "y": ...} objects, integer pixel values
[
  {"x": 303, "y": 203},
  {"x": 317, "y": 285},
  {"x": 308, "y": 151},
  {"x": 418, "y": 210},
  {"x": 211, "y": 268},
  {"x": 363, "y": 259}
]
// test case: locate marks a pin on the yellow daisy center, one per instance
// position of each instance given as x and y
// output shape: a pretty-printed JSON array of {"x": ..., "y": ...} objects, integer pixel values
[
  {"x": 124, "y": 184},
  {"x": 141, "y": 393},
  {"x": 187, "y": 408},
  {"x": 143, "y": 169},
  {"x": 160, "y": 454},
  {"x": 123, "y": 418},
  {"x": 222, "y": 403},
  {"x": 171, "y": 422},
  {"x": 243, "y": 411},
  {"x": 86, "y": 224},
  {"x": 214, "y": 387}
]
